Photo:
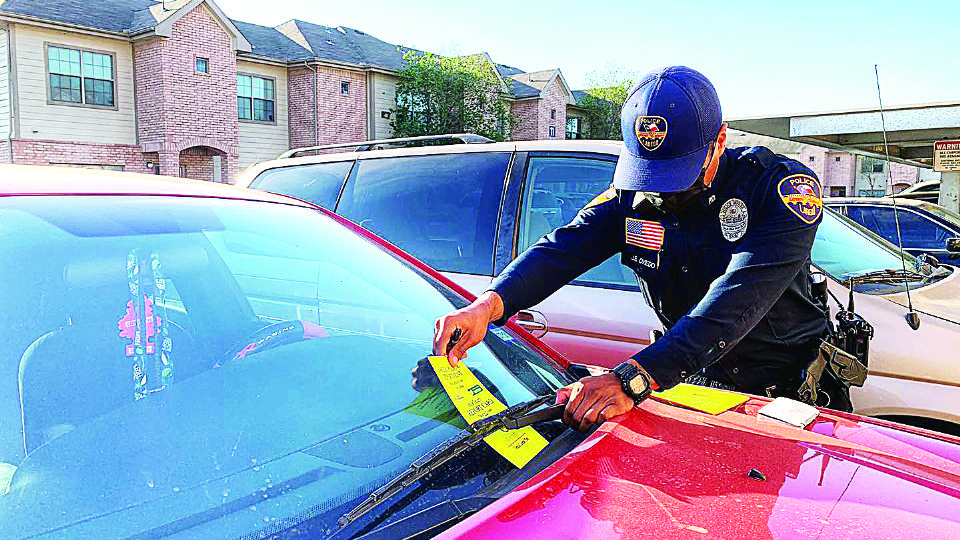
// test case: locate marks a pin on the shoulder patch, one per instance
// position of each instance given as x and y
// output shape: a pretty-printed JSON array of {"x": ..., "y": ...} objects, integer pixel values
[
  {"x": 608, "y": 195},
  {"x": 803, "y": 195}
]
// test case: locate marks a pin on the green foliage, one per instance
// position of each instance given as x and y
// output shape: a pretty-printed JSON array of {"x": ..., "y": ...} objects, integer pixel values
[
  {"x": 438, "y": 95},
  {"x": 607, "y": 90}
]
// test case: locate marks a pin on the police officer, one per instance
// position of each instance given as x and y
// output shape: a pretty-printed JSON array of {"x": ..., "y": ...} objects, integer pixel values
[{"x": 719, "y": 238}]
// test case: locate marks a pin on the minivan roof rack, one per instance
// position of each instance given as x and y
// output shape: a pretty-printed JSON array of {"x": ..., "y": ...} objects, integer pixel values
[{"x": 465, "y": 138}]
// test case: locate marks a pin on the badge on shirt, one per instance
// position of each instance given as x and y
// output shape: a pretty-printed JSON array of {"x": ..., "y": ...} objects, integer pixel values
[
  {"x": 644, "y": 234},
  {"x": 651, "y": 131},
  {"x": 733, "y": 219},
  {"x": 803, "y": 195},
  {"x": 608, "y": 195}
]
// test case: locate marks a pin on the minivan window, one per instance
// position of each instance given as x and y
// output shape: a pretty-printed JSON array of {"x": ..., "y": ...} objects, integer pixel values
[
  {"x": 319, "y": 183},
  {"x": 555, "y": 191},
  {"x": 915, "y": 231},
  {"x": 442, "y": 209}
]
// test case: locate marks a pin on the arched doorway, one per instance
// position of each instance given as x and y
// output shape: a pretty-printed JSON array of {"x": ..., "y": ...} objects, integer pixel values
[{"x": 204, "y": 163}]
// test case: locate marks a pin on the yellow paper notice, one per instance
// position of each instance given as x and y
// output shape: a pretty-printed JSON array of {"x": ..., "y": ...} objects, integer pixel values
[
  {"x": 475, "y": 402},
  {"x": 702, "y": 398}
]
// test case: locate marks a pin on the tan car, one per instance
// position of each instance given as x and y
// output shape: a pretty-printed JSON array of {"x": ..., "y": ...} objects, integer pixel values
[{"x": 469, "y": 209}]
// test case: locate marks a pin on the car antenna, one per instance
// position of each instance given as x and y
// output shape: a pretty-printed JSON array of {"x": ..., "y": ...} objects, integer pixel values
[{"x": 912, "y": 317}]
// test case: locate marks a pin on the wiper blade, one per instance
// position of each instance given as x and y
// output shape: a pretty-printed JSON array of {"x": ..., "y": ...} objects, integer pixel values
[
  {"x": 520, "y": 415},
  {"x": 884, "y": 276}
]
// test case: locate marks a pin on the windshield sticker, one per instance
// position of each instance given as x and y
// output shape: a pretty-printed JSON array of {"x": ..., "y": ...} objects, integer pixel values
[
  {"x": 733, "y": 219},
  {"x": 803, "y": 195},
  {"x": 475, "y": 402},
  {"x": 502, "y": 334},
  {"x": 702, "y": 398}
]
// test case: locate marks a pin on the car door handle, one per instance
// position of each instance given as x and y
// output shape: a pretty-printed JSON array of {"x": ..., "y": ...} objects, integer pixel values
[{"x": 533, "y": 322}]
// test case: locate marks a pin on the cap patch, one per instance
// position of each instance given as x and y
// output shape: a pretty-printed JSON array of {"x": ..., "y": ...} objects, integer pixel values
[
  {"x": 803, "y": 195},
  {"x": 608, "y": 195},
  {"x": 651, "y": 131},
  {"x": 644, "y": 234}
]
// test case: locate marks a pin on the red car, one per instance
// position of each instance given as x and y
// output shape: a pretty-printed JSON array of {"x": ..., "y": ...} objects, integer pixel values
[{"x": 190, "y": 360}]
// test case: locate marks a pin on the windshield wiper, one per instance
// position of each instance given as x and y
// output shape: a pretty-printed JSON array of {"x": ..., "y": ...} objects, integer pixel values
[
  {"x": 518, "y": 416},
  {"x": 889, "y": 275}
]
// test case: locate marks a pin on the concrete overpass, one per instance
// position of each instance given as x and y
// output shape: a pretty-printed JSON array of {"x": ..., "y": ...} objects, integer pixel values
[{"x": 911, "y": 132}]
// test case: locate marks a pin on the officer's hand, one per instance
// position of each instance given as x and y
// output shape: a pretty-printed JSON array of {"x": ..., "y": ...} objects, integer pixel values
[
  {"x": 593, "y": 400},
  {"x": 472, "y": 322}
]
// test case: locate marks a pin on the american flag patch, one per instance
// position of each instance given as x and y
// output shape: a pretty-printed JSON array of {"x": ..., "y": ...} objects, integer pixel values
[{"x": 645, "y": 234}]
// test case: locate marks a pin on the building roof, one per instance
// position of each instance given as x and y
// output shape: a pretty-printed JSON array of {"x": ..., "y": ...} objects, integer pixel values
[
  {"x": 519, "y": 90},
  {"x": 294, "y": 41},
  {"x": 110, "y": 15},
  {"x": 267, "y": 42},
  {"x": 536, "y": 79},
  {"x": 580, "y": 95},
  {"x": 506, "y": 71}
]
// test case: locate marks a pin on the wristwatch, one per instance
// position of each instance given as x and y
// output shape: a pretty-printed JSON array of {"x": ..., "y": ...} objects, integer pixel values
[{"x": 635, "y": 382}]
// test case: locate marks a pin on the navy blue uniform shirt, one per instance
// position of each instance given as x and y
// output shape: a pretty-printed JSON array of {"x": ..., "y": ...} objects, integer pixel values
[{"x": 729, "y": 275}]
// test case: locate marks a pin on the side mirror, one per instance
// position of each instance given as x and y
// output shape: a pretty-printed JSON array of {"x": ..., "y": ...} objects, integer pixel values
[{"x": 953, "y": 245}]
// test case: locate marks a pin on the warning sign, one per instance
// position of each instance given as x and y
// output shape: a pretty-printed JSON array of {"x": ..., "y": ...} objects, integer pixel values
[{"x": 946, "y": 156}]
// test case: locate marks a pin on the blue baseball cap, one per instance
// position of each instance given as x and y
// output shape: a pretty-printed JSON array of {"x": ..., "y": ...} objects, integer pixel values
[{"x": 669, "y": 120}]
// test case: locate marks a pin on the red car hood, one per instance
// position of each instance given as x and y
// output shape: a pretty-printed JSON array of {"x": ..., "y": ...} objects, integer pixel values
[{"x": 666, "y": 472}]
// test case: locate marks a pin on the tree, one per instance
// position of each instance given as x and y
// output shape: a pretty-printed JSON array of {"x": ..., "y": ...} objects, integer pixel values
[
  {"x": 607, "y": 90},
  {"x": 438, "y": 95}
]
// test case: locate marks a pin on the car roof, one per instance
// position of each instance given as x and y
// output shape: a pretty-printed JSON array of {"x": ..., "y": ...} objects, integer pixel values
[
  {"x": 919, "y": 186},
  {"x": 36, "y": 180},
  {"x": 609, "y": 147},
  {"x": 875, "y": 200}
]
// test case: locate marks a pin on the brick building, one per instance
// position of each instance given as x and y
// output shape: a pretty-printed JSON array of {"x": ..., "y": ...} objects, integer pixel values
[
  {"x": 179, "y": 88},
  {"x": 842, "y": 174}
]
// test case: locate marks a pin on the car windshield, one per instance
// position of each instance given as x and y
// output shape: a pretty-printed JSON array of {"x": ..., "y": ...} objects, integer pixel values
[
  {"x": 218, "y": 368},
  {"x": 844, "y": 249}
]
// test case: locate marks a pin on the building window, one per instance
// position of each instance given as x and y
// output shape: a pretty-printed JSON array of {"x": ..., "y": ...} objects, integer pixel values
[
  {"x": 78, "y": 76},
  {"x": 203, "y": 65},
  {"x": 838, "y": 191},
  {"x": 871, "y": 165},
  {"x": 256, "y": 100},
  {"x": 553, "y": 114},
  {"x": 812, "y": 159},
  {"x": 344, "y": 87},
  {"x": 553, "y": 132},
  {"x": 573, "y": 128},
  {"x": 836, "y": 158}
]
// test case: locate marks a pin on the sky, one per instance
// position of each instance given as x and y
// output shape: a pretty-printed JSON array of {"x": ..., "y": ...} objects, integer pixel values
[{"x": 765, "y": 57}]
